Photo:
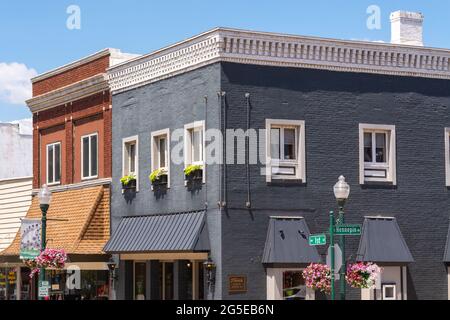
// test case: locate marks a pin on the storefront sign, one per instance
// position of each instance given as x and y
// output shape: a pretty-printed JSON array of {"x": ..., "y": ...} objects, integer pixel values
[
  {"x": 237, "y": 284},
  {"x": 44, "y": 289},
  {"x": 30, "y": 239}
]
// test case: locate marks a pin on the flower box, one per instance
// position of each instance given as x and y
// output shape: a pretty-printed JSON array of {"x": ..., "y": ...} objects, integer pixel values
[
  {"x": 162, "y": 180},
  {"x": 195, "y": 175},
  {"x": 130, "y": 185}
]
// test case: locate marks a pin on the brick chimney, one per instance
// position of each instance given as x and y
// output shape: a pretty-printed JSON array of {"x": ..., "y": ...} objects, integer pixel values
[{"x": 407, "y": 28}]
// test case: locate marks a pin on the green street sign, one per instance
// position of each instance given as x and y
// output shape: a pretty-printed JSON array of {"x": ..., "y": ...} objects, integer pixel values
[
  {"x": 317, "y": 240},
  {"x": 348, "y": 230}
]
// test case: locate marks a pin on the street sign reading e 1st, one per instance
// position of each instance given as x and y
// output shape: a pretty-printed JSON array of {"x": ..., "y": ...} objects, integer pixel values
[
  {"x": 348, "y": 230},
  {"x": 317, "y": 240}
]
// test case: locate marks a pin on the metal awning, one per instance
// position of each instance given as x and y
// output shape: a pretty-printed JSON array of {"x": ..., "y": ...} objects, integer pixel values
[
  {"x": 287, "y": 242},
  {"x": 382, "y": 241},
  {"x": 180, "y": 232},
  {"x": 447, "y": 247}
]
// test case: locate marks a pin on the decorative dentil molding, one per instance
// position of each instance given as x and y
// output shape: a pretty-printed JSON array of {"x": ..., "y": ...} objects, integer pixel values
[{"x": 270, "y": 49}]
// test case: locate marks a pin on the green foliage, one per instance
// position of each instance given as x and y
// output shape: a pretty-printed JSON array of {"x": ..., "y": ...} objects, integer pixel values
[
  {"x": 127, "y": 179},
  {"x": 191, "y": 169},
  {"x": 157, "y": 174}
]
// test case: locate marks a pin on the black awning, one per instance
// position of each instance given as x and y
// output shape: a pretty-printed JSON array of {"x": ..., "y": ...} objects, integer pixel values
[
  {"x": 287, "y": 242},
  {"x": 180, "y": 232},
  {"x": 447, "y": 247},
  {"x": 382, "y": 241}
]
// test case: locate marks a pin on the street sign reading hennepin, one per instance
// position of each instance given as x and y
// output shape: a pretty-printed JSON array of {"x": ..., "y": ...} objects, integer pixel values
[{"x": 348, "y": 230}]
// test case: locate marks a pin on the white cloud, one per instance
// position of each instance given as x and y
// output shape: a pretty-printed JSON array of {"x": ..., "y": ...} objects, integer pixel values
[{"x": 15, "y": 83}]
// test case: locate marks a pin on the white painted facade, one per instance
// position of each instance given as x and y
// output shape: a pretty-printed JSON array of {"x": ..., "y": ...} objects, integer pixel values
[
  {"x": 16, "y": 149},
  {"x": 274, "y": 280},
  {"x": 15, "y": 200},
  {"x": 407, "y": 28},
  {"x": 390, "y": 276}
]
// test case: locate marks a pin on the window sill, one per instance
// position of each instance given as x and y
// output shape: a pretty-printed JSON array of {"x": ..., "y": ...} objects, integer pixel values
[
  {"x": 286, "y": 182},
  {"x": 378, "y": 185},
  {"x": 89, "y": 178}
]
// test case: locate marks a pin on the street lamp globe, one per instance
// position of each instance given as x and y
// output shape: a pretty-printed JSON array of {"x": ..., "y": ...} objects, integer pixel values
[
  {"x": 45, "y": 195},
  {"x": 341, "y": 190}
]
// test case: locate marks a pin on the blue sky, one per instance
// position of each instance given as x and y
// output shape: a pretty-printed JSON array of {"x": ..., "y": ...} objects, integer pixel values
[{"x": 34, "y": 37}]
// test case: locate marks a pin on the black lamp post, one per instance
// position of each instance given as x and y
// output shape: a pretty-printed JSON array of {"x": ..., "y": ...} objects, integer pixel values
[
  {"x": 341, "y": 192},
  {"x": 45, "y": 197}
]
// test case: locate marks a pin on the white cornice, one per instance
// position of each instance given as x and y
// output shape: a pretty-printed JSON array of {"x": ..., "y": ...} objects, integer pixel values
[
  {"x": 73, "y": 92},
  {"x": 271, "y": 49}
]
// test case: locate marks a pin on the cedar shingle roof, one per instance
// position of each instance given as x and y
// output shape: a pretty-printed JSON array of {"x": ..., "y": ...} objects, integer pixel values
[{"x": 82, "y": 225}]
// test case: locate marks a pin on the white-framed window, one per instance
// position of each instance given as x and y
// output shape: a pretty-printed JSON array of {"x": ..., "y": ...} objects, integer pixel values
[
  {"x": 285, "y": 150},
  {"x": 194, "y": 144},
  {"x": 377, "y": 153},
  {"x": 89, "y": 156},
  {"x": 447, "y": 156},
  {"x": 130, "y": 163},
  {"x": 389, "y": 291},
  {"x": 287, "y": 284},
  {"x": 160, "y": 152},
  {"x": 54, "y": 163}
]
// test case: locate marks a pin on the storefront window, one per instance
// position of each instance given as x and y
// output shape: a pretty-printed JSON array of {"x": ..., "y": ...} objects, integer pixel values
[
  {"x": 93, "y": 285},
  {"x": 294, "y": 287},
  {"x": 8, "y": 284},
  {"x": 26, "y": 284},
  {"x": 140, "y": 280}
]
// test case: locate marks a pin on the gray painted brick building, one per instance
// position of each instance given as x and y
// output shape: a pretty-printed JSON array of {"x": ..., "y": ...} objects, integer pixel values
[{"x": 375, "y": 113}]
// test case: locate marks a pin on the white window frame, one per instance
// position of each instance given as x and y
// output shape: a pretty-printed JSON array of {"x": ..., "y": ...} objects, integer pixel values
[
  {"x": 383, "y": 288},
  {"x": 155, "y": 156},
  {"x": 390, "y": 165},
  {"x": 82, "y": 157},
  {"x": 126, "y": 141},
  {"x": 54, "y": 182},
  {"x": 299, "y": 163},
  {"x": 197, "y": 125},
  {"x": 447, "y": 156}
]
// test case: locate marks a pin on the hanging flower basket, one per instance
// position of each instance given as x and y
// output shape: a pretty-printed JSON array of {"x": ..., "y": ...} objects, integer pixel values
[
  {"x": 49, "y": 258},
  {"x": 362, "y": 275},
  {"x": 318, "y": 277}
]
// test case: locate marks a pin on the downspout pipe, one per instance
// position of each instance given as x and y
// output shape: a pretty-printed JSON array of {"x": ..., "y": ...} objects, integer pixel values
[{"x": 248, "y": 204}]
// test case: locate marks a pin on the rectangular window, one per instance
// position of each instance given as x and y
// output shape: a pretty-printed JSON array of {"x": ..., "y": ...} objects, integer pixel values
[
  {"x": 140, "y": 280},
  {"x": 89, "y": 156},
  {"x": 130, "y": 151},
  {"x": 130, "y": 158},
  {"x": 197, "y": 145},
  {"x": 194, "y": 145},
  {"x": 377, "y": 153},
  {"x": 389, "y": 292},
  {"x": 160, "y": 151},
  {"x": 54, "y": 163},
  {"x": 286, "y": 145}
]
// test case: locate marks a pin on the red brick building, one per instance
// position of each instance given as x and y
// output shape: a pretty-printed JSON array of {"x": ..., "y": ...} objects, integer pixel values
[{"x": 71, "y": 108}]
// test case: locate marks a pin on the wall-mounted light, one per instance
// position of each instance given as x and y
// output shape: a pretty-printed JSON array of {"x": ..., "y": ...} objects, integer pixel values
[
  {"x": 112, "y": 269},
  {"x": 210, "y": 268}
]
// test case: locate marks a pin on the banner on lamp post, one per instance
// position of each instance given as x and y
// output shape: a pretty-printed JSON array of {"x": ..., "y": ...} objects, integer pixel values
[{"x": 30, "y": 239}]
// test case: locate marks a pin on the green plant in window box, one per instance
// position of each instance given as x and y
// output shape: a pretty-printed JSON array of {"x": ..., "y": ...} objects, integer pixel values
[
  {"x": 128, "y": 181},
  {"x": 158, "y": 176},
  {"x": 193, "y": 171}
]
